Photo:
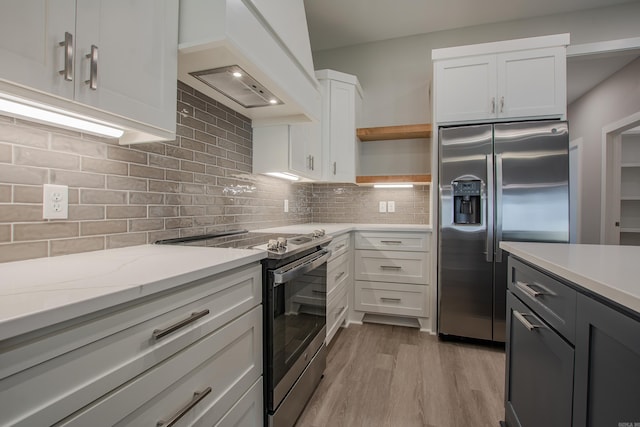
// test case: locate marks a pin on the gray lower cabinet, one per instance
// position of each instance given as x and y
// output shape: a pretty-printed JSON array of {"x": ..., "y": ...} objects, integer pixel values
[
  {"x": 540, "y": 370},
  {"x": 572, "y": 360},
  {"x": 607, "y": 379}
]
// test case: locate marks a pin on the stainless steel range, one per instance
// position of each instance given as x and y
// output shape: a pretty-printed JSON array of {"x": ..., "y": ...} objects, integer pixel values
[{"x": 294, "y": 299}]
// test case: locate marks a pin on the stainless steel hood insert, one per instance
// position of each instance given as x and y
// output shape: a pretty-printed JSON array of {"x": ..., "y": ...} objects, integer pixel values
[{"x": 237, "y": 84}]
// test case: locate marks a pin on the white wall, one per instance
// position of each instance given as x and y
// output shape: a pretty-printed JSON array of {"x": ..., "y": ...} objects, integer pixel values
[
  {"x": 396, "y": 74},
  {"x": 612, "y": 100},
  {"x": 396, "y": 77}
]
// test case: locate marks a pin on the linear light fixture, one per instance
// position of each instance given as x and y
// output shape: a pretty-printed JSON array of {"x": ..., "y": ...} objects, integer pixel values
[
  {"x": 392, "y": 185},
  {"x": 17, "y": 107},
  {"x": 284, "y": 175}
]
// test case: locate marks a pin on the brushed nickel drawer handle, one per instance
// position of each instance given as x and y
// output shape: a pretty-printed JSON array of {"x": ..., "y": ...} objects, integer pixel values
[
  {"x": 339, "y": 275},
  {"x": 390, "y": 299},
  {"x": 391, "y": 242},
  {"x": 197, "y": 397},
  {"x": 161, "y": 333},
  {"x": 315, "y": 291},
  {"x": 340, "y": 246},
  {"x": 527, "y": 289},
  {"x": 390, "y": 267},
  {"x": 524, "y": 321}
]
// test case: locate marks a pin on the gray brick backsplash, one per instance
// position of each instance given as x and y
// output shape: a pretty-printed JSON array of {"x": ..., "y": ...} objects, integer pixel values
[{"x": 136, "y": 194}]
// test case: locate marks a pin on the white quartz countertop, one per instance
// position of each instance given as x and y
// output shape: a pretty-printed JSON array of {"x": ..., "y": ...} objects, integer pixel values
[
  {"x": 40, "y": 292},
  {"x": 340, "y": 228},
  {"x": 610, "y": 271}
]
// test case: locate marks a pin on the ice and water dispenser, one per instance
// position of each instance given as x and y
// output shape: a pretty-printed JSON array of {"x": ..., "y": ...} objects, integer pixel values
[{"x": 466, "y": 201}]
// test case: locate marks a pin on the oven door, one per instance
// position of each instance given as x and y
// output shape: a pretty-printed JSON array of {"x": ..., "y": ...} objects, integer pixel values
[{"x": 297, "y": 301}]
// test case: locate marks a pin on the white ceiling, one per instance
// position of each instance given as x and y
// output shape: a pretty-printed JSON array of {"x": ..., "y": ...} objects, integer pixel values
[{"x": 337, "y": 23}]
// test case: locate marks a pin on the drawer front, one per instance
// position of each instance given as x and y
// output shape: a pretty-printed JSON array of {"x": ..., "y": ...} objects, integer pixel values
[
  {"x": 337, "y": 309},
  {"x": 338, "y": 272},
  {"x": 393, "y": 241},
  {"x": 248, "y": 412},
  {"x": 70, "y": 381},
  {"x": 551, "y": 299},
  {"x": 392, "y": 298},
  {"x": 388, "y": 266},
  {"x": 340, "y": 245},
  {"x": 227, "y": 363}
]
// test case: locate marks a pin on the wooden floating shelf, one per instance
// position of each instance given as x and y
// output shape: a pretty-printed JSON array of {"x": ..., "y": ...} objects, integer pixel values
[
  {"x": 394, "y": 132},
  {"x": 393, "y": 179}
]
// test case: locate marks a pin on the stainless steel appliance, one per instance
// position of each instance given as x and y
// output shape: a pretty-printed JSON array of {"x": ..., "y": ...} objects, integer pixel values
[
  {"x": 498, "y": 182},
  {"x": 294, "y": 277}
]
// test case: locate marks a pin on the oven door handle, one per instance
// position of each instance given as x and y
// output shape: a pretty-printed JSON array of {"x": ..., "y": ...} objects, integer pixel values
[{"x": 305, "y": 265}]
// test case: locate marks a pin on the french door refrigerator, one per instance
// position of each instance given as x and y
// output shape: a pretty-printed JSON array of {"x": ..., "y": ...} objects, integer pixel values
[{"x": 507, "y": 181}]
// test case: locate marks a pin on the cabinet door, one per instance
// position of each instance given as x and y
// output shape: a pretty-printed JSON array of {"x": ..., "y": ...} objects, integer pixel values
[
  {"x": 607, "y": 366},
  {"x": 532, "y": 83},
  {"x": 466, "y": 88},
  {"x": 137, "y": 48},
  {"x": 342, "y": 132},
  {"x": 30, "y": 36},
  {"x": 305, "y": 154},
  {"x": 539, "y": 377}
]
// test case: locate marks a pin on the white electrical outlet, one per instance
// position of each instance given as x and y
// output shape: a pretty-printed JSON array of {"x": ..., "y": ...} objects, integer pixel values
[
  {"x": 55, "y": 201},
  {"x": 383, "y": 207},
  {"x": 391, "y": 206},
  {"x": 286, "y": 205}
]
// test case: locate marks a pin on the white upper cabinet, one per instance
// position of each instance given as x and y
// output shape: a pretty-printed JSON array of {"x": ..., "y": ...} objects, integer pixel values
[
  {"x": 291, "y": 149},
  {"x": 30, "y": 50},
  {"x": 111, "y": 60},
  {"x": 341, "y": 102},
  {"x": 137, "y": 58},
  {"x": 515, "y": 79}
]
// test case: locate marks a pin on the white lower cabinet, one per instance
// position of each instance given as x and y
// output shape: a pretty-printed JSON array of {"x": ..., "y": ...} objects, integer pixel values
[
  {"x": 140, "y": 362},
  {"x": 339, "y": 283},
  {"x": 391, "y": 271}
]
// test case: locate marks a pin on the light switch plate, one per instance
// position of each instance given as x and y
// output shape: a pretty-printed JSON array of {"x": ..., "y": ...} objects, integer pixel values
[
  {"x": 383, "y": 207},
  {"x": 55, "y": 201}
]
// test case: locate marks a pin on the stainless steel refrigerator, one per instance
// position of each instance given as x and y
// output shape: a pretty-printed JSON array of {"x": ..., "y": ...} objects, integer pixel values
[{"x": 507, "y": 181}]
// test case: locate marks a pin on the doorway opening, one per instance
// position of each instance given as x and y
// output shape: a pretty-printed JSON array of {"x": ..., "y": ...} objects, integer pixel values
[{"x": 620, "y": 223}]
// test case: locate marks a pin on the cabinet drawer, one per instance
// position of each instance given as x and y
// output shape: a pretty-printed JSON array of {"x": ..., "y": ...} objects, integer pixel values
[
  {"x": 340, "y": 245},
  {"x": 97, "y": 355},
  {"x": 227, "y": 363},
  {"x": 552, "y": 300},
  {"x": 337, "y": 308},
  {"x": 395, "y": 241},
  {"x": 390, "y": 266},
  {"x": 338, "y": 272},
  {"x": 392, "y": 298}
]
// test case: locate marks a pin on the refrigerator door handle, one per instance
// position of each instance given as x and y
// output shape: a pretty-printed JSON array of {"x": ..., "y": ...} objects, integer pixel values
[
  {"x": 498, "y": 207},
  {"x": 489, "y": 208}
]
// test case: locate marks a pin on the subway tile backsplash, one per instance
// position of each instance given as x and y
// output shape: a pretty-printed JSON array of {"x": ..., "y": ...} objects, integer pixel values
[{"x": 132, "y": 195}]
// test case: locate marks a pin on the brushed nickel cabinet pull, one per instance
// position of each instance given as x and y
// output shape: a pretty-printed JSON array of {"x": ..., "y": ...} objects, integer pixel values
[
  {"x": 390, "y": 267},
  {"x": 161, "y": 333},
  {"x": 339, "y": 275},
  {"x": 502, "y": 104},
  {"x": 391, "y": 242},
  {"x": 526, "y": 288},
  {"x": 315, "y": 291},
  {"x": 93, "y": 68},
  {"x": 390, "y": 299},
  {"x": 334, "y": 167},
  {"x": 493, "y": 104},
  {"x": 67, "y": 72},
  {"x": 340, "y": 246},
  {"x": 197, "y": 397},
  {"x": 525, "y": 322}
]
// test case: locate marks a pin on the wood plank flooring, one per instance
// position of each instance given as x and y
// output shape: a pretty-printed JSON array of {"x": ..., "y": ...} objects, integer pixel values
[{"x": 393, "y": 376}]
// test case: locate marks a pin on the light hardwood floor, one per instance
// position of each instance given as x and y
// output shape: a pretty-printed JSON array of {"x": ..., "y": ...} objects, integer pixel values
[{"x": 393, "y": 376}]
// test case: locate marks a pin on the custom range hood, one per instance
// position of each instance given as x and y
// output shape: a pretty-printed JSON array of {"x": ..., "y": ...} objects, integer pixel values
[{"x": 253, "y": 56}]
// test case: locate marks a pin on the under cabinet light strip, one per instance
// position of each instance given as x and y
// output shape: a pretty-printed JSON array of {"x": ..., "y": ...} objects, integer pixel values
[
  {"x": 284, "y": 175},
  {"x": 40, "y": 113},
  {"x": 392, "y": 185}
]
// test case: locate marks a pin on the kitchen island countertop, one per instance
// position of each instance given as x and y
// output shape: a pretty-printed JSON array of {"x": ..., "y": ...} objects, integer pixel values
[
  {"x": 609, "y": 271},
  {"x": 39, "y": 292}
]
